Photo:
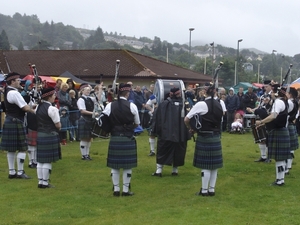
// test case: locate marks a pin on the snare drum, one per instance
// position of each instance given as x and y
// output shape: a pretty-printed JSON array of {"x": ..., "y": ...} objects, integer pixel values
[
  {"x": 259, "y": 133},
  {"x": 249, "y": 121},
  {"x": 97, "y": 131}
]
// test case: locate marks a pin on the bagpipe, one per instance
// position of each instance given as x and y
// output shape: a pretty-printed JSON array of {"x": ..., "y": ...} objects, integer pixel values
[
  {"x": 35, "y": 94},
  {"x": 196, "y": 120},
  {"x": 115, "y": 84},
  {"x": 101, "y": 125}
]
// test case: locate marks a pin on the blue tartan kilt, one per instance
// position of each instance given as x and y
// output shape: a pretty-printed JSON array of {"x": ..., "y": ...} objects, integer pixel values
[
  {"x": 13, "y": 135},
  {"x": 122, "y": 153},
  {"x": 279, "y": 144},
  {"x": 48, "y": 147},
  {"x": 208, "y": 152},
  {"x": 293, "y": 137},
  {"x": 84, "y": 128}
]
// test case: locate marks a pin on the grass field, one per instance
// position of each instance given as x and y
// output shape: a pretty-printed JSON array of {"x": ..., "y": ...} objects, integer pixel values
[{"x": 83, "y": 190}]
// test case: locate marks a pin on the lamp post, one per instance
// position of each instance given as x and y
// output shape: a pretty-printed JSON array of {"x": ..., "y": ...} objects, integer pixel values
[
  {"x": 237, "y": 62},
  {"x": 212, "y": 58},
  {"x": 273, "y": 63},
  {"x": 191, "y": 29}
]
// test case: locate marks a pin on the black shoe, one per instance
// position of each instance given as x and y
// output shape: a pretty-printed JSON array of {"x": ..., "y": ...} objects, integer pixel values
[
  {"x": 156, "y": 174},
  {"x": 268, "y": 160},
  {"x": 86, "y": 157},
  {"x": 32, "y": 166},
  {"x": 12, "y": 176},
  {"x": 174, "y": 174},
  {"x": 276, "y": 184},
  {"x": 127, "y": 193},
  {"x": 260, "y": 160},
  {"x": 23, "y": 176},
  {"x": 116, "y": 194},
  {"x": 200, "y": 193},
  {"x": 45, "y": 186},
  {"x": 152, "y": 154},
  {"x": 211, "y": 193}
]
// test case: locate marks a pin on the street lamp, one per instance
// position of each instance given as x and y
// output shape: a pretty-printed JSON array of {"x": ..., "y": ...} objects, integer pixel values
[
  {"x": 237, "y": 61},
  {"x": 273, "y": 63},
  {"x": 191, "y": 29},
  {"x": 212, "y": 57}
]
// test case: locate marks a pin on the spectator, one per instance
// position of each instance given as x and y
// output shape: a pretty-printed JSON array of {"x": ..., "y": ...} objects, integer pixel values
[
  {"x": 131, "y": 93},
  {"x": 140, "y": 102},
  {"x": 241, "y": 96},
  {"x": 250, "y": 99},
  {"x": 232, "y": 104}
]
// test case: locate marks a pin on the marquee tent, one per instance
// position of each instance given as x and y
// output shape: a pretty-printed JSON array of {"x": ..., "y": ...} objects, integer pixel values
[
  {"x": 49, "y": 80},
  {"x": 244, "y": 85}
]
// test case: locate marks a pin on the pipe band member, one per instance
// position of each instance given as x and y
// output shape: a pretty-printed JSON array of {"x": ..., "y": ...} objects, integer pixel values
[
  {"x": 278, "y": 142},
  {"x": 48, "y": 141},
  {"x": 122, "y": 150},
  {"x": 292, "y": 112},
  {"x": 172, "y": 133},
  {"x": 14, "y": 135},
  {"x": 86, "y": 105},
  {"x": 208, "y": 148}
]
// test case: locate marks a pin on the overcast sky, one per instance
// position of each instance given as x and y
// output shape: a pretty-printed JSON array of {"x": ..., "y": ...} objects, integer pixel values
[{"x": 266, "y": 25}]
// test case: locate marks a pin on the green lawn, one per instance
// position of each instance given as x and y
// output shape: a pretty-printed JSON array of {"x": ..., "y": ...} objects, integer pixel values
[{"x": 83, "y": 190}]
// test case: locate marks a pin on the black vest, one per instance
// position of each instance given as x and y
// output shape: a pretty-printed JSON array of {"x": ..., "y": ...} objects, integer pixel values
[
  {"x": 121, "y": 118},
  {"x": 45, "y": 123},
  {"x": 293, "y": 113},
  {"x": 12, "y": 110},
  {"x": 89, "y": 105},
  {"x": 281, "y": 118},
  {"x": 211, "y": 121}
]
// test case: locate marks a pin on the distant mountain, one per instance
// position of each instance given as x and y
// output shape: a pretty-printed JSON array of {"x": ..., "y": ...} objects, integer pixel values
[{"x": 256, "y": 51}]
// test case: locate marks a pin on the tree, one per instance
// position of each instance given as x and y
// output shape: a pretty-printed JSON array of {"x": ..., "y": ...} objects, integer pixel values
[
  {"x": 21, "y": 47},
  {"x": 4, "y": 43}
]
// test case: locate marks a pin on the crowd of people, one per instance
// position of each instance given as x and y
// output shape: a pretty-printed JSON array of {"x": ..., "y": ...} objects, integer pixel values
[{"x": 40, "y": 120}]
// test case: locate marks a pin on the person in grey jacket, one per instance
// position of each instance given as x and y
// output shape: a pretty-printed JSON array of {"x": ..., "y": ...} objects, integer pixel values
[{"x": 232, "y": 103}]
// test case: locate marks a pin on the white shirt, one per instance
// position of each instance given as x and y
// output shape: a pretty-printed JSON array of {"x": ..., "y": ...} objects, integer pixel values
[
  {"x": 14, "y": 97},
  {"x": 133, "y": 110},
  {"x": 278, "y": 106}
]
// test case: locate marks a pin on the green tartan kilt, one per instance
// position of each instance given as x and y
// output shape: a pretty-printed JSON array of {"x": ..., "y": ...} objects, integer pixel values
[
  {"x": 13, "y": 135},
  {"x": 208, "y": 152},
  {"x": 48, "y": 147},
  {"x": 279, "y": 144},
  {"x": 84, "y": 128},
  {"x": 293, "y": 137},
  {"x": 122, "y": 153}
]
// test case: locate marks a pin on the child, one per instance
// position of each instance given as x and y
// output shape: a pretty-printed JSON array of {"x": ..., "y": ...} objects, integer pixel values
[{"x": 237, "y": 125}]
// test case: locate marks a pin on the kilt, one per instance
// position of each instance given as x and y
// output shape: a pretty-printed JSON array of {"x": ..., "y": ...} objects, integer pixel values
[
  {"x": 208, "y": 152},
  {"x": 170, "y": 153},
  {"x": 279, "y": 144},
  {"x": 48, "y": 147},
  {"x": 31, "y": 137},
  {"x": 122, "y": 152},
  {"x": 13, "y": 135},
  {"x": 84, "y": 128},
  {"x": 294, "y": 144}
]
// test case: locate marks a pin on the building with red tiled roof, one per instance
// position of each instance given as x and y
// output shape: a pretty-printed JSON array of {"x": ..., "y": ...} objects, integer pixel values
[{"x": 89, "y": 64}]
